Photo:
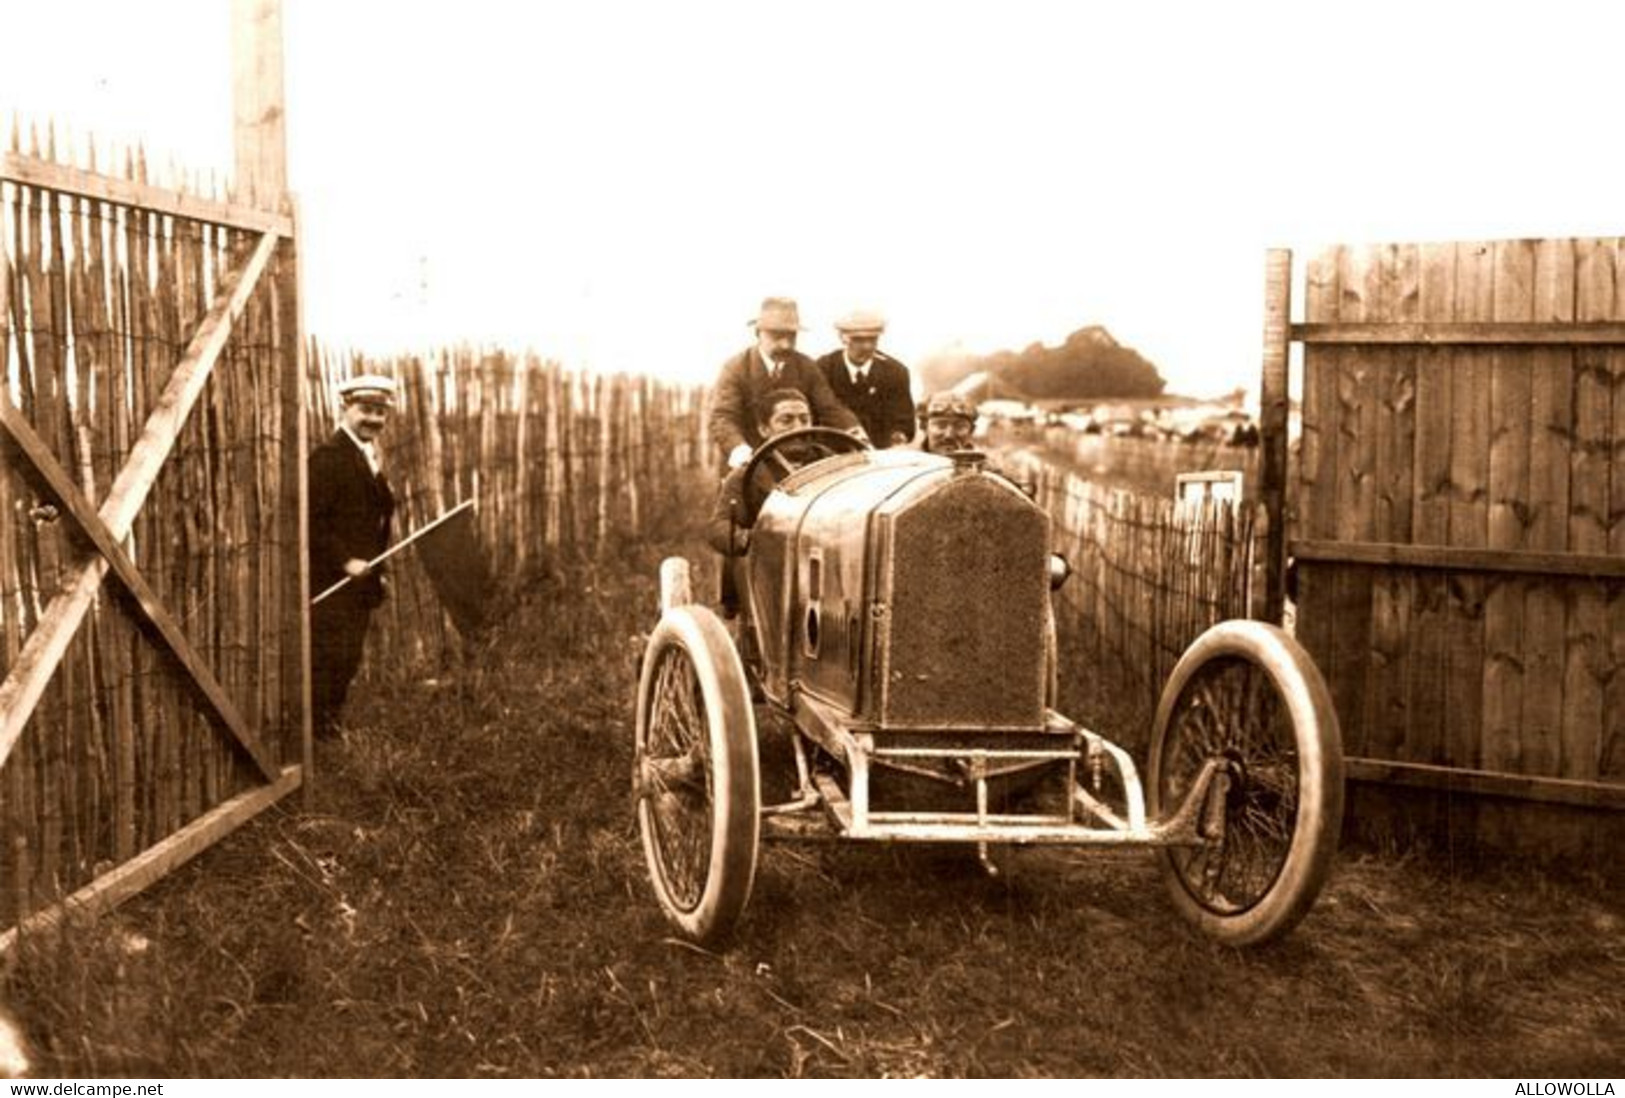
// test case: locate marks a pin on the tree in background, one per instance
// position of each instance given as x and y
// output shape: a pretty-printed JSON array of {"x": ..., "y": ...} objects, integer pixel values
[{"x": 1089, "y": 365}]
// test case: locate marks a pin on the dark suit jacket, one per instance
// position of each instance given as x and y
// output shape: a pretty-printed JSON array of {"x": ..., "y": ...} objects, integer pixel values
[
  {"x": 729, "y": 515},
  {"x": 742, "y": 381},
  {"x": 883, "y": 405},
  {"x": 350, "y": 511}
]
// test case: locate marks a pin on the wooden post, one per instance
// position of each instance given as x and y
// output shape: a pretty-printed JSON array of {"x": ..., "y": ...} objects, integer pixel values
[
  {"x": 1273, "y": 400},
  {"x": 293, "y": 500},
  {"x": 259, "y": 115},
  {"x": 259, "y": 136}
]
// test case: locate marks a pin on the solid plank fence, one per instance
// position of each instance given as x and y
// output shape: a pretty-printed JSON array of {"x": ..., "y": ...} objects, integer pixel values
[{"x": 1459, "y": 529}]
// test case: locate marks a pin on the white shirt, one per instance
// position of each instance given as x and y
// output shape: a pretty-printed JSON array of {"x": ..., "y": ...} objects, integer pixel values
[
  {"x": 775, "y": 370},
  {"x": 852, "y": 370},
  {"x": 368, "y": 450}
]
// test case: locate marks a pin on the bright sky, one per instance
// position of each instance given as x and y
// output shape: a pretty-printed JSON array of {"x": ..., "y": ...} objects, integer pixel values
[{"x": 617, "y": 183}]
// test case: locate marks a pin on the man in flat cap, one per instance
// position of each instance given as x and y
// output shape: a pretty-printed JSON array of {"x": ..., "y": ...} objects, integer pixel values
[
  {"x": 350, "y": 510},
  {"x": 772, "y": 362},
  {"x": 869, "y": 381}
]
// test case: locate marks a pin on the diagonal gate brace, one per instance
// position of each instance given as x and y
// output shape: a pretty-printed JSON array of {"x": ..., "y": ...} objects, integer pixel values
[
  {"x": 43, "y": 650},
  {"x": 153, "y": 614}
]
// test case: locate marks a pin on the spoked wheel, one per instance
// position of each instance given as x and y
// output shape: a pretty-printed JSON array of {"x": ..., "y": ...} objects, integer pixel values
[
  {"x": 1247, "y": 694},
  {"x": 695, "y": 773}
]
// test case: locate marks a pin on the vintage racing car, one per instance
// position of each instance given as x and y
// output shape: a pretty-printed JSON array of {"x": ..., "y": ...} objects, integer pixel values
[{"x": 894, "y": 613}]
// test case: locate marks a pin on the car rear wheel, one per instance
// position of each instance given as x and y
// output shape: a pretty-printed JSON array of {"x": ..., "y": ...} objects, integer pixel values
[
  {"x": 695, "y": 773},
  {"x": 1247, "y": 694}
]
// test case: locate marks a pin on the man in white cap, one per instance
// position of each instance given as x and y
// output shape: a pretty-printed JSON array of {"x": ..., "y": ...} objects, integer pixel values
[
  {"x": 772, "y": 362},
  {"x": 351, "y": 506},
  {"x": 869, "y": 381}
]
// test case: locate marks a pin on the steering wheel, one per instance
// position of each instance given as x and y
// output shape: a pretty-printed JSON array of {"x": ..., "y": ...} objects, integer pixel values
[{"x": 816, "y": 443}]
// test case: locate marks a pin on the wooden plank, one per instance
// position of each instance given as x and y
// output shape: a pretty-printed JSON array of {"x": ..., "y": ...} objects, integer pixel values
[
  {"x": 1551, "y": 438},
  {"x": 126, "y": 192},
  {"x": 1469, "y": 506},
  {"x": 1274, "y": 398},
  {"x": 44, "y": 648},
  {"x": 1611, "y": 752},
  {"x": 1442, "y": 334},
  {"x": 1520, "y": 562},
  {"x": 1393, "y": 370},
  {"x": 1431, "y": 486},
  {"x": 1397, "y": 423},
  {"x": 1588, "y": 794},
  {"x": 1359, "y": 412},
  {"x": 152, "y": 865},
  {"x": 1430, "y": 515},
  {"x": 1510, "y": 508},
  {"x": 1587, "y": 667}
]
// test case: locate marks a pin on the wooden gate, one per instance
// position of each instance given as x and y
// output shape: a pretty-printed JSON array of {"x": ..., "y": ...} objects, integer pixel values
[
  {"x": 1456, "y": 515},
  {"x": 152, "y": 424}
]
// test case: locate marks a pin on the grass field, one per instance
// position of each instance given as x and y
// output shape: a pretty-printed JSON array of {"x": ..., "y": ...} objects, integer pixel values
[{"x": 466, "y": 897}]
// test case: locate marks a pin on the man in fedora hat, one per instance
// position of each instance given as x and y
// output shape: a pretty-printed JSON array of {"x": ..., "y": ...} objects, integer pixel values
[
  {"x": 350, "y": 510},
  {"x": 869, "y": 381},
  {"x": 772, "y": 362}
]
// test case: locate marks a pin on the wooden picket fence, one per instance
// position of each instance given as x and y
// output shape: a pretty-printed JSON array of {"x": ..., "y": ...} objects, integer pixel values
[
  {"x": 560, "y": 464},
  {"x": 1149, "y": 575},
  {"x": 149, "y": 612},
  {"x": 154, "y": 416}
]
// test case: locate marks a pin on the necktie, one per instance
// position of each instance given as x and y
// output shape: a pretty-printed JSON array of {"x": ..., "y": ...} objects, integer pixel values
[{"x": 862, "y": 378}]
